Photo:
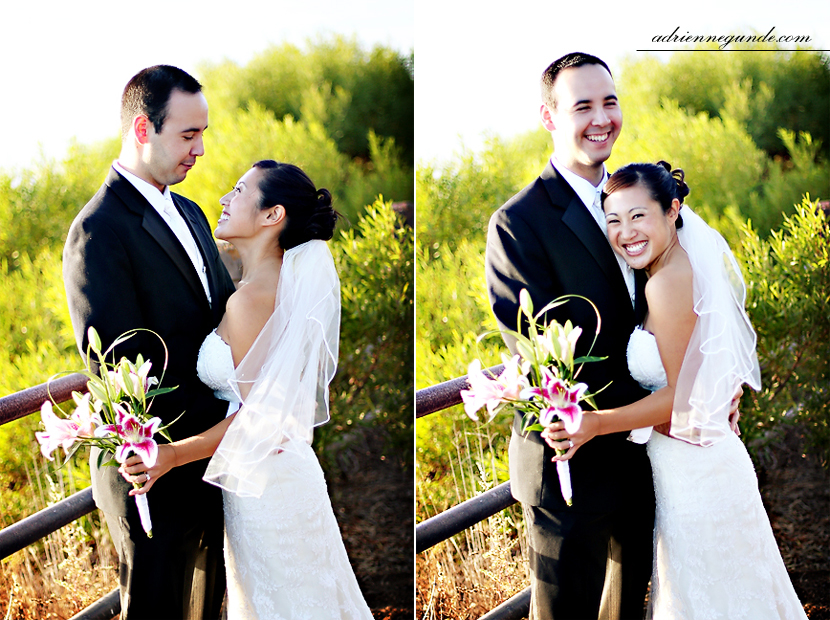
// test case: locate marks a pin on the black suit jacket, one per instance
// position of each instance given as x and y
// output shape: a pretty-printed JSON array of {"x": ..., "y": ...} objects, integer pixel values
[
  {"x": 124, "y": 268},
  {"x": 545, "y": 240}
]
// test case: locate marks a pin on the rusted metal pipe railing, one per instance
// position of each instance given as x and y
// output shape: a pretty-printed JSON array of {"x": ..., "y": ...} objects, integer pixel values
[
  {"x": 514, "y": 608},
  {"x": 108, "y": 607},
  {"x": 31, "y": 529},
  {"x": 458, "y": 518},
  {"x": 20, "y": 535},
  {"x": 444, "y": 395},
  {"x": 28, "y": 401}
]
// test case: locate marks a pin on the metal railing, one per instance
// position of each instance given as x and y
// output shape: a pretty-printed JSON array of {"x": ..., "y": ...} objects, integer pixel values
[
  {"x": 31, "y": 529},
  {"x": 458, "y": 518}
]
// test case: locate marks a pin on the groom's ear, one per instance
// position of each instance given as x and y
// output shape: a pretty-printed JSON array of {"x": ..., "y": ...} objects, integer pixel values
[
  {"x": 140, "y": 128},
  {"x": 547, "y": 117}
]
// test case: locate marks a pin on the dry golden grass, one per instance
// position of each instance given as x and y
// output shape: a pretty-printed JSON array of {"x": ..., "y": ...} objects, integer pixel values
[
  {"x": 471, "y": 573},
  {"x": 476, "y": 570},
  {"x": 66, "y": 571}
]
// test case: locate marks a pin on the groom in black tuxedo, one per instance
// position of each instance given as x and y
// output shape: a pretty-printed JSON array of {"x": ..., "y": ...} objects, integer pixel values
[
  {"x": 592, "y": 560},
  {"x": 138, "y": 256}
]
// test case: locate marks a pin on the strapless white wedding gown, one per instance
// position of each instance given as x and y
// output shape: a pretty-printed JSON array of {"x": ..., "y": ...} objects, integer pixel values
[
  {"x": 284, "y": 555},
  {"x": 715, "y": 556}
]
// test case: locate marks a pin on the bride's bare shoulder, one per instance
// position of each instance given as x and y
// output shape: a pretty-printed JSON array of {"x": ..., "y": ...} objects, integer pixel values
[
  {"x": 671, "y": 288},
  {"x": 247, "y": 311}
]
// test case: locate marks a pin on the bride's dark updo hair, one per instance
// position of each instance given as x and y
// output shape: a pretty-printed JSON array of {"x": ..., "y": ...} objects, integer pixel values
[
  {"x": 308, "y": 210},
  {"x": 662, "y": 183}
]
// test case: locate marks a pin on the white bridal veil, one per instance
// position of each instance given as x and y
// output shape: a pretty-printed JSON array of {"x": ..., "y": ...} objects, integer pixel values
[
  {"x": 721, "y": 352},
  {"x": 283, "y": 380}
]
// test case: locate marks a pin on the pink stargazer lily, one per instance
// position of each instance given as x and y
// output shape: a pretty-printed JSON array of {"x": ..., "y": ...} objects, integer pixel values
[
  {"x": 490, "y": 393},
  {"x": 59, "y": 431},
  {"x": 562, "y": 400},
  {"x": 137, "y": 437},
  {"x": 66, "y": 431}
]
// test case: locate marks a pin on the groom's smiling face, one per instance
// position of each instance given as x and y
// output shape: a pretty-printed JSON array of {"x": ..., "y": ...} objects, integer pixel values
[{"x": 585, "y": 120}]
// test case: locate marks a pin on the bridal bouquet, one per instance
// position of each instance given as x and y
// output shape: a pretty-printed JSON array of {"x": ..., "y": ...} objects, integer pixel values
[
  {"x": 540, "y": 381},
  {"x": 112, "y": 415}
]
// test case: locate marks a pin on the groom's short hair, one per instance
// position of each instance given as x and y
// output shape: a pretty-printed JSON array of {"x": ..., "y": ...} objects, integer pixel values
[
  {"x": 148, "y": 92},
  {"x": 568, "y": 61}
]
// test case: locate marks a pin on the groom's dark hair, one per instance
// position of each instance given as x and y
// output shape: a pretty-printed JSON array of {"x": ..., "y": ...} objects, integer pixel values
[
  {"x": 568, "y": 61},
  {"x": 149, "y": 91}
]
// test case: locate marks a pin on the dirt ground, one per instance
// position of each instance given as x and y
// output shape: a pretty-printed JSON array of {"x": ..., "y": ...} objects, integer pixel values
[
  {"x": 796, "y": 494},
  {"x": 374, "y": 505}
]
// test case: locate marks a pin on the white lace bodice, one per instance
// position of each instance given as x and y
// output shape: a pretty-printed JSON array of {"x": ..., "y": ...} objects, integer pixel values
[
  {"x": 215, "y": 366},
  {"x": 644, "y": 361}
]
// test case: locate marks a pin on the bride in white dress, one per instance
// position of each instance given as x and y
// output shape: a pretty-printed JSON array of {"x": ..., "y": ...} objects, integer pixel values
[
  {"x": 715, "y": 556},
  {"x": 275, "y": 352}
]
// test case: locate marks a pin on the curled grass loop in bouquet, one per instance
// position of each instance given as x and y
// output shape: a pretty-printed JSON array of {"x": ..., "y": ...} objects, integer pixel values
[{"x": 540, "y": 381}]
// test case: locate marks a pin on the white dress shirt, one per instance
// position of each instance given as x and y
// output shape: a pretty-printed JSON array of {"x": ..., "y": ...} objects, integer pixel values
[
  {"x": 162, "y": 202},
  {"x": 590, "y": 197}
]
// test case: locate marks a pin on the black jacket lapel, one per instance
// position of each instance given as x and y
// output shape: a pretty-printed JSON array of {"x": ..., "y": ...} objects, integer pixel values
[
  {"x": 157, "y": 228},
  {"x": 580, "y": 221},
  {"x": 204, "y": 240}
]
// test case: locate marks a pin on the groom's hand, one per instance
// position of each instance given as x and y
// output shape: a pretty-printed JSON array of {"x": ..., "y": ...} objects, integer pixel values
[{"x": 734, "y": 414}]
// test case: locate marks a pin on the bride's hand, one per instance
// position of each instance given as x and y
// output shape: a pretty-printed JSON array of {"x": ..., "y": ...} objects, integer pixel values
[
  {"x": 558, "y": 438},
  {"x": 734, "y": 414},
  {"x": 134, "y": 469}
]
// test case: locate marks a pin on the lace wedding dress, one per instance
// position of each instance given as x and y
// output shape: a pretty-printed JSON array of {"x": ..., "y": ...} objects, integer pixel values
[
  {"x": 284, "y": 555},
  {"x": 714, "y": 552}
]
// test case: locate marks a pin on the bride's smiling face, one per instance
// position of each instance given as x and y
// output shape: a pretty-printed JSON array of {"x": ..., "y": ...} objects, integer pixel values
[
  {"x": 240, "y": 208},
  {"x": 638, "y": 229}
]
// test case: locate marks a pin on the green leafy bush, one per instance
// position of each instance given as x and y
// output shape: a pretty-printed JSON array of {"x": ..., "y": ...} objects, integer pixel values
[
  {"x": 763, "y": 92},
  {"x": 453, "y": 310},
  {"x": 456, "y": 199},
  {"x": 38, "y": 203},
  {"x": 788, "y": 282},
  {"x": 373, "y": 385},
  {"x": 32, "y": 304},
  {"x": 334, "y": 82}
]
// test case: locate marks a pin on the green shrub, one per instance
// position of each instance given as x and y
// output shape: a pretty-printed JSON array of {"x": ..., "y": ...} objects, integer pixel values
[
  {"x": 761, "y": 91},
  {"x": 38, "y": 204},
  {"x": 373, "y": 385},
  {"x": 37, "y": 341},
  {"x": 334, "y": 82},
  {"x": 455, "y": 200},
  {"x": 788, "y": 295}
]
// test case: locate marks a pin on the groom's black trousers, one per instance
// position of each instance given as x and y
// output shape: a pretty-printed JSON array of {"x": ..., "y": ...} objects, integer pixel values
[
  {"x": 590, "y": 566},
  {"x": 179, "y": 574}
]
